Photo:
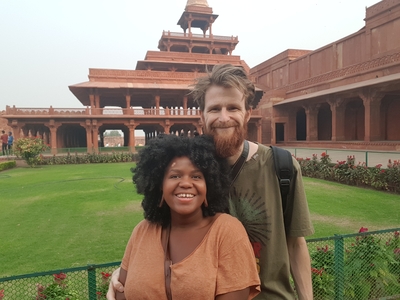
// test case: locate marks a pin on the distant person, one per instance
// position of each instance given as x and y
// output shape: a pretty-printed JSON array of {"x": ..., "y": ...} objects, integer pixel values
[
  {"x": 4, "y": 142},
  {"x": 10, "y": 142},
  {"x": 187, "y": 247}
]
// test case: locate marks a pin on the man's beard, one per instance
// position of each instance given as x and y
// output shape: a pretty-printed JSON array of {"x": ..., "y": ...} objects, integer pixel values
[{"x": 229, "y": 144}]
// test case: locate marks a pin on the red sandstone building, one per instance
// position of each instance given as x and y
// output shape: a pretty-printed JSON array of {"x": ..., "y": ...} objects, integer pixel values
[{"x": 346, "y": 93}]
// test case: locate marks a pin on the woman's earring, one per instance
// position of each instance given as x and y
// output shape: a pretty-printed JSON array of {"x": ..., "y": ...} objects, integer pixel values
[
  {"x": 162, "y": 201},
  {"x": 205, "y": 202}
]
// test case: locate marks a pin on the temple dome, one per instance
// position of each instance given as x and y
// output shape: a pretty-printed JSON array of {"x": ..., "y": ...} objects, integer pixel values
[{"x": 197, "y": 3}]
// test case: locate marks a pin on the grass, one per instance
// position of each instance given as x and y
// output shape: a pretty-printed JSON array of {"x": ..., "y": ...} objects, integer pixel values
[
  {"x": 66, "y": 216},
  {"x": 339, "y": 209}
]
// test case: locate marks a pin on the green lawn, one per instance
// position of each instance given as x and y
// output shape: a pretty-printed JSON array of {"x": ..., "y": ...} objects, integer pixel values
[{"x": 72, "y": 215}]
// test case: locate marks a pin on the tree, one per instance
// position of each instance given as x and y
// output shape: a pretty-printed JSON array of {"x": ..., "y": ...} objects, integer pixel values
[{"x": 112, "y": 133}]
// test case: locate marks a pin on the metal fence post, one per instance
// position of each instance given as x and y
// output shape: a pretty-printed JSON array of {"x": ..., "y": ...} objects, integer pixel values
[
  {"x": 339, "y": 267},
  {"x": 92, "y": 282},
  {"x": 366, "y": 158}
]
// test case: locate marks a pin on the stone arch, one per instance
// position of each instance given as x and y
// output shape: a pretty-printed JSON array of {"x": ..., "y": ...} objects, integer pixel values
[
  {"x": 301, "y": 124},
  {"x": 325, "y": 122},
  {"x": 354, "y": 121},
  {"x": 186, "y": 129},
  {"x": 71, "y": 136},
  {"x": 114, "y": 126},
  {"x": 390, "y": 119}
]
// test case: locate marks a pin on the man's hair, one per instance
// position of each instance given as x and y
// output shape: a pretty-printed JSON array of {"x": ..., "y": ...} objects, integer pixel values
[
  {"x": 154, "y": 159},
  {"x": 227, "y": 76}
]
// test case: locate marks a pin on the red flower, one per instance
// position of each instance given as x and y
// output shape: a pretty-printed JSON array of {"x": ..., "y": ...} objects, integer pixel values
[
  {"x": 60, "y": 276},
  {"x": 323, "y": 154},
  {"x": 378, "y": 166},
  {"x": 363, "y": 229},
  {"x": 396, "y": 234},
  {"x": 396, "y": 251},
  {"x": 105, "y": 275},
  {"x": 317, "y": 272}
]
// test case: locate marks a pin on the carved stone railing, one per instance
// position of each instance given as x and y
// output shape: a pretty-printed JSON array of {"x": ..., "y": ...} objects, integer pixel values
[
  {"x": 137, "y": 112},
  {"x": 347, "y": 71},
  {"x": 195, "y": 35}
]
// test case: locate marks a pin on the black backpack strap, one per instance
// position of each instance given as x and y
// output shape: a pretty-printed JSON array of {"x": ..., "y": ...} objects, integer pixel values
[
  {"x": 284, "y": 170},
  {"x": 238, "y": 165}
]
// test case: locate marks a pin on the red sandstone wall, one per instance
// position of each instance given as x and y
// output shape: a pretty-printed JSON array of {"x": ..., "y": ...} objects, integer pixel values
[{"x": 3, "y": 123}]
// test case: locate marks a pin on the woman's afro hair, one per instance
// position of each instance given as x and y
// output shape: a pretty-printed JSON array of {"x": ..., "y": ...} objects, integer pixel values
[{"x": 154, "y": 159}]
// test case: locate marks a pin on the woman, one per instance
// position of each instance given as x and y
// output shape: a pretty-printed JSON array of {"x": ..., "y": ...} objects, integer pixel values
[{"x": 186, "y": 248}]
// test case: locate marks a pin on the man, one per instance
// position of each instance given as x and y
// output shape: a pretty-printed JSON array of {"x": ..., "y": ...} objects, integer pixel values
[
  {"x": 277, "y": 236},
  {"x": 4, "y": 142}
]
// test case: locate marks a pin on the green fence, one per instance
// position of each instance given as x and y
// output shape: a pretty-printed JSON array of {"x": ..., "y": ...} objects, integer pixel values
[
  {"x": 81, "y": 283},
  {"x": 358, "y": 266}
]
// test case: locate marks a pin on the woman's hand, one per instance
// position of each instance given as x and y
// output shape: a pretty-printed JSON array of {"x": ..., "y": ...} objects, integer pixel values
[{"x": 115, "y": 284}]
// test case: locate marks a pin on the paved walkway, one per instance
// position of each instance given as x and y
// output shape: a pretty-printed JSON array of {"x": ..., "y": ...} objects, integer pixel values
[{"x": 371, "y": 158}]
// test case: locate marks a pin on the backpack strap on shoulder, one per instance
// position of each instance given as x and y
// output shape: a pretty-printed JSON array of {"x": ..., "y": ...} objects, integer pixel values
[{"x": 284, "y": 171}]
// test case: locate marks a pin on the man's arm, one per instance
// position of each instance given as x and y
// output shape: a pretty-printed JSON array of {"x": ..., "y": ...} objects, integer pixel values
[{"x": 300, "y": 266}]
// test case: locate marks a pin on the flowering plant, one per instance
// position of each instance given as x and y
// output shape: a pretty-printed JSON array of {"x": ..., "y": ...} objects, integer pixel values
[
  {"x": 103, "y": 288},
  {"x": 58, "y": 290},
  {"x": 322, "y": 262},
  {"x": 29, "y": 149},
  {"x": 1, "y": 294},
  {"x": 367, "y": 267}
]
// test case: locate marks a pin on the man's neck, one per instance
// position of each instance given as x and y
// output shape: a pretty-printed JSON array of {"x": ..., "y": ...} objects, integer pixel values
[
  {"x": 232, "y": 159},
  {"x": 253, "y": 147}
]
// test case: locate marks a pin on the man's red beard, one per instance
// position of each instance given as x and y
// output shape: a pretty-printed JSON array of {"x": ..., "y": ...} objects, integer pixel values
[{"x": 229, "y": 144}]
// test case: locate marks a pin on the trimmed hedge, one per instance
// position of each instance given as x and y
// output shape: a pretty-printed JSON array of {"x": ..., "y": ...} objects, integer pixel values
[
  {"x": 7, "y": 165},
  {"x": 87, "y": 158},
  {"x": 347, "y": 172}
]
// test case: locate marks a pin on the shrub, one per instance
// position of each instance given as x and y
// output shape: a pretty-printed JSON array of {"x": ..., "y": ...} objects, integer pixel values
[
  {"x": 29, "y": 149},
  {"x": 8, "y": 165},
  {"x": 348, "y": 173},
  {"x": 57, "y": 290},
  {"x": 88, "y": 158}
]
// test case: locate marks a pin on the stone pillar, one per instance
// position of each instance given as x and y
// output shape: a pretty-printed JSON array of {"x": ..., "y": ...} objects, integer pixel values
[
  {"x": 338, "y": 118},
  {"x": 92, "y": 104},
  {"x": 95, "y": 133},
  {"x": 89, "y": 140},
  {"x": 290, "y": 129},
  {"x": 259, "y": 132},
  {"x": 167, "y": 126},
  {"x": 132, "y": 142},
  {"x": 185, "y": 107},
  {"x": 97, "y": 102},
  {"x": 372, "y": 110},
  {"x": 16, "y": 127},
  {"x": 157, "y": 100},
  {"x": 53, "y": 126},
  {"x": 128, "y": 104},
  {"x": 312, "y": 122}
]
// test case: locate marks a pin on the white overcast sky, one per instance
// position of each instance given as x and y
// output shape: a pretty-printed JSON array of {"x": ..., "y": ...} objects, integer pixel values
[{"x": 46, "y": 45}]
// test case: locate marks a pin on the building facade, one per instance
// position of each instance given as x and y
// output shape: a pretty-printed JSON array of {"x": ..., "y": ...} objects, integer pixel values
[
  {"x": 155, "y": 97},
  {"x": 343, "y": 95}
]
